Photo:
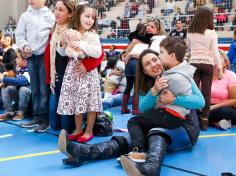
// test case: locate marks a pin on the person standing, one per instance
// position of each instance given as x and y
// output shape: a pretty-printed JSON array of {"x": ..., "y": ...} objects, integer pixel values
[
  {"x": 179, "y": 31},
  {"x": 80, "y": 92},
  {"x": 31, "y": 37},
  {"x": 202, "y": 40}
]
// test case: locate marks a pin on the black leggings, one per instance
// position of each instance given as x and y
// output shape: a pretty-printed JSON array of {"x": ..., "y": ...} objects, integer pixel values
[
  {"x": 139, "y": 126},
  {"x": 228, "y": 113}
]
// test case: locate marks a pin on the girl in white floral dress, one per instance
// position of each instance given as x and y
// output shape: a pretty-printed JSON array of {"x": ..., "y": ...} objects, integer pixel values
[{"x": 80, "y": 92}]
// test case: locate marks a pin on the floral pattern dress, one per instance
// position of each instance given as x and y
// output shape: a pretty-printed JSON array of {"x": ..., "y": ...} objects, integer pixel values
[{"x": 80, "y": 93}]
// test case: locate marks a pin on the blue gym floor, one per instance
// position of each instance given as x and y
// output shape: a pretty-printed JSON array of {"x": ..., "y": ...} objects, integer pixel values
[{"x": 24, "y": 153}]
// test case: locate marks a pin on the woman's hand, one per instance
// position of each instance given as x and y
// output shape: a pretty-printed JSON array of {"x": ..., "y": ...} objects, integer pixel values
[
  {"x": 81, "y": 68},
  {"x": 160, "y": 84},
  {"x": 167, "y": 97}
]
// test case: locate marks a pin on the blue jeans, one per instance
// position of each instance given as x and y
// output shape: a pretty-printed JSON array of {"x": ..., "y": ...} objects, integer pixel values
[
  {"x": 114, "y": 100},
  {"x": 21, "y": 96},
  {"x": 57, "y": 121},
  {"x": 40, "y": 91}
]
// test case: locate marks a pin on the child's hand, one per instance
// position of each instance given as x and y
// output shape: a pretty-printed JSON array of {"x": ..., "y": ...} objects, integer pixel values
[
  {"x": 220, "y": 73},
  {"x": 27, "y": 52},
  {"x": 81, "y": 68}
]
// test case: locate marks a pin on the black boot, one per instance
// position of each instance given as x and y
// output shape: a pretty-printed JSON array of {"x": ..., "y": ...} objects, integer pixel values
[
  {"x": 152, "y": 166},
  {"x": 79, "y": 153}
]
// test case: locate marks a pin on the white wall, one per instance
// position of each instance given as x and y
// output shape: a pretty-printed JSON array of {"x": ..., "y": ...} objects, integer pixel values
[{"x": 12, "y": 8}]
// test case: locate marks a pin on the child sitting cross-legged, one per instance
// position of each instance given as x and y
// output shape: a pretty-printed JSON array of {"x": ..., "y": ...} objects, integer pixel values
[{"x": 16, "y": 89}]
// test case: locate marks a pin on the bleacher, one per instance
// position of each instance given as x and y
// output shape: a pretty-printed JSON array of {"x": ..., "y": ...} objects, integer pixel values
[{"x": 225, "y": 30}]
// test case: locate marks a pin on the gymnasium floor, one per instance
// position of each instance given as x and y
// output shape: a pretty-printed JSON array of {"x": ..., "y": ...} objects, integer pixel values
[{"x": 24, "y": 153}]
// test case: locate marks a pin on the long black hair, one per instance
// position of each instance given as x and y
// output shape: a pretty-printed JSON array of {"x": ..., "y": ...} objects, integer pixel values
[{"x": 144, "y": 82}]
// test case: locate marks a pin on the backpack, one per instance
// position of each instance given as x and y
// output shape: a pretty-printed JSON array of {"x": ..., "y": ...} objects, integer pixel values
[{"x": 102, "y": 125}]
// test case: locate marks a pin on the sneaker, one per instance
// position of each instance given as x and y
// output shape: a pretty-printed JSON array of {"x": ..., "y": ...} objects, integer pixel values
[
  {"x": 30, "y": 124},
  {"x": 225, "y": 124},
  {"x": 6, "y": 116},
  {"x": 19, "y": 116},
  {"x": 136, "y": 157},
  {"x": 42, "y": 127}
]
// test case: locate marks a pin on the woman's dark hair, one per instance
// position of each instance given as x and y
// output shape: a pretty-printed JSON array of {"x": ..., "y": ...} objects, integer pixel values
[
  {"x": 144, "y": 82},
  {"x": 202, "y": 20},
  {"x": 75, "y": 21}
]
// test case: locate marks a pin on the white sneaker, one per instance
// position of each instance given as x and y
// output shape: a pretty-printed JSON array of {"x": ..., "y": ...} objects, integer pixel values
[{"x": 225, "y": 124}]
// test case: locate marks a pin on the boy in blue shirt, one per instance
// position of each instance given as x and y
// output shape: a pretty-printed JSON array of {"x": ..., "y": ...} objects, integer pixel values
[
  {"x": 232, "y": 54},
  {"x": 16, "y": 89}
]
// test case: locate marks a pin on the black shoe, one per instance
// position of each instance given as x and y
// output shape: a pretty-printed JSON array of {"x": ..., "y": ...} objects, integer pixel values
[
  {"x": 42, "y": 127},
  {"x": 30, "y": 124}
]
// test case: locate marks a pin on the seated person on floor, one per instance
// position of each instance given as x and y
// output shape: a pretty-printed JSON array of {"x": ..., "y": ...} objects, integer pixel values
[
  {"x": 113, "y": 79},
  {"x": 223, "y": 96},
  {"x": 114, "y": 86},
  {"x": 17, "y": 89}
]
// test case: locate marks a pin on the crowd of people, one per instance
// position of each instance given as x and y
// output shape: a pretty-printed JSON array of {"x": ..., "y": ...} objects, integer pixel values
[{"x": 179, "y": 83}]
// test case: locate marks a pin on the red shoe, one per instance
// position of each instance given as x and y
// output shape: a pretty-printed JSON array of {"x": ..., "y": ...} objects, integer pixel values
[
  {"x": 84, "y": 139},
  {"x": 74, "y": 137}
]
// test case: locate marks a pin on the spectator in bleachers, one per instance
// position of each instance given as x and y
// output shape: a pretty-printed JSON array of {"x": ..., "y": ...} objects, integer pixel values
[
  {"x": 221, "y": 18},
  {"x": 101, "y": 7},
  {"x": 134, "y": 9},
  {"x": 124, "y": 28},
  {"x": 17, "y": 89},
  {"x": 189, "y": 9},
  {"x": 142, "y": 10},
  {"x": 170, "y": 8},
  {"x": 178, "y": 16},
  {"x": 223, "y": 96},
  {"x": 110, "y": 3},
  {"x": 179, "y": 30},
  {"x": 9, "y": 54},
  {"x": 103, "y": 22},
  {"x": 151, "y": 5},
  {"x": 232, "y": 54},
  {"x": 234, "y": 21},
  {"x": 187, "y": 21},
  {"x": 228, "y": 4},
  {"x": 127, "y": 10},
  {"x": 198, "y": 3}
]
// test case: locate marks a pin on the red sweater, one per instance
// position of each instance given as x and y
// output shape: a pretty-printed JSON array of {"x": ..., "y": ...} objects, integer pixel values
[{"x": 89, "y": 63}]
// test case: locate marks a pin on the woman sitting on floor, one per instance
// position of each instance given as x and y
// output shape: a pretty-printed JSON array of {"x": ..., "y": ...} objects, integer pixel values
[
  {"x": 223, "y": 96},
  {"x": 118, "y": 145}
]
